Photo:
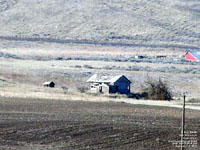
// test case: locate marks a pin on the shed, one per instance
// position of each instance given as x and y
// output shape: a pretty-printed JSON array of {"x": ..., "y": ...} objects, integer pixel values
[
  {"x": 49, "y": 84},
  {"x": 161, "y": 57},
  {"x": 192, "y": 56},
  {"x": 109, "y": 84}
]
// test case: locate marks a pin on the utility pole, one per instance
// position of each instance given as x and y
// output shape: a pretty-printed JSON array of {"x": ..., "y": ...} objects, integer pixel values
[{"x": 183, "y": 123}]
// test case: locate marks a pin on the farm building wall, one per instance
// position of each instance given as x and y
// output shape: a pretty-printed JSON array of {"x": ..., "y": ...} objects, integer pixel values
[
  {"x": 94, "y": 88},
  {"x": 99, "y": 88},
  {"x": 105, "y": 88},
  {"x": 122, "y": 86}
]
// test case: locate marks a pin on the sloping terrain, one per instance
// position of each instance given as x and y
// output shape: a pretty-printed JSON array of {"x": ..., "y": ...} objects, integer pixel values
[{"x": 119, "y": 21}]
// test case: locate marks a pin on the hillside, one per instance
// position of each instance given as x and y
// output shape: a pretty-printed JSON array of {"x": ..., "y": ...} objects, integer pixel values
[{"x": 125, "y": 21}]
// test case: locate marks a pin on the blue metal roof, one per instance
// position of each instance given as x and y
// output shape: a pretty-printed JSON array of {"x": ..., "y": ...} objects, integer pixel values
[{"x": 196, "y": 54}]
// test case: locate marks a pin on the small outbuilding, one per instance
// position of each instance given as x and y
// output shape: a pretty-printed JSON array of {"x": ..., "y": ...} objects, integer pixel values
[
  {"x": 161, "y": 57},
  {"x": 109, "y": 84},
  {"x": 49, "y": 84},
  {"x": 192, "y": 56}
]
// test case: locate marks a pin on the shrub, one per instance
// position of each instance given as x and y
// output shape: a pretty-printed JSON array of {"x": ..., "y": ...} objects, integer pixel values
[
  {"x": 82, "y": 89},
  {"x": 157, "y": 90},
  {"x": 65, "y": 88},
  {"x": 194, "y": 100},
  {"x": 77, "y": 66},
  {"x": 88, "y": 67}
]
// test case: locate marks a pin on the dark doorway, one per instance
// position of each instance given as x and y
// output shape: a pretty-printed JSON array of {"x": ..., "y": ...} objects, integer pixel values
[
  {"x": 100, "y": 89},
  {"x": 117, "y": 89}
]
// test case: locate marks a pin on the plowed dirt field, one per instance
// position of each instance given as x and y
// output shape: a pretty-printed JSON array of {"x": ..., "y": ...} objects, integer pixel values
[{"x": 76, "y": 125}]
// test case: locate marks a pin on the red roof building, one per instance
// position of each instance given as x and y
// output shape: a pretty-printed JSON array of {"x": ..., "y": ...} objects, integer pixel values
[{"x": 192, "y": 56}]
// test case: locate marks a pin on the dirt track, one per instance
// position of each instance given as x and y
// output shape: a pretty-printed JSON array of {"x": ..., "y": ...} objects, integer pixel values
[{"x": 49, "y": 124}]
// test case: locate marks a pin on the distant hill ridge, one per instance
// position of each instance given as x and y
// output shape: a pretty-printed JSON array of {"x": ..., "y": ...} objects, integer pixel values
[{"x": 116, "y": 21}]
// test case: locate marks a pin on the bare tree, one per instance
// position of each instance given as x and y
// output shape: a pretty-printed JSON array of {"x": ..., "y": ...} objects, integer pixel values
[{"x": 157, "y": 90}]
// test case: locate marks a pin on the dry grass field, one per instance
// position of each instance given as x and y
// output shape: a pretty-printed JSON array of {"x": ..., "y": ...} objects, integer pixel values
[{"x": 29, "y": 64}]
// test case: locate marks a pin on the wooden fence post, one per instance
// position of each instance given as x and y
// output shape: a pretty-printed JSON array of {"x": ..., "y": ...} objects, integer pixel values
[{"x": 183, "y": 123}]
